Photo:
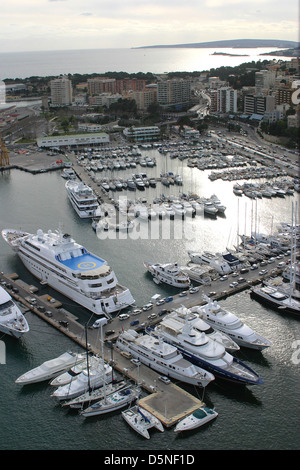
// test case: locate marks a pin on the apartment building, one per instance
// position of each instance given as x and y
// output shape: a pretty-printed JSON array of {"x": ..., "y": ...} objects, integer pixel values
[
  {"x": 174, "y": 93},
  {"x": 223, "y": 100},
  {"x": 104, "y": 99},
  {"x": 259, "y": 104},
  {"x": 125, "y": 85},
  {"x": 264, "y": 80},
  {"x": 144, "y": 98},
  {"x": 61, "y": 91},
  {"x": 99, "y": 85}
]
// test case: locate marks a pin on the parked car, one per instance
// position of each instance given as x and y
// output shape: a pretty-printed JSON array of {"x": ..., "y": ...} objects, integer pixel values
[
  {"x": 99, "y": 322},
  {"x": 152, "y": 316},
  {"x": 162, "y": 312},
  {"x": 234, "y": 284},
  {"x": 109, "y": 332},
  {"x": 169, "y": 299},
  {"x": 136, "y": 311},
  {"x": 123, "y": 316},
  {"x": 134, "y": 322},
  {"x": 136, "y": 362},
  {"x": 164, "y": 379},
  {"x": 183, "y": 293},
  {"x": 263, "y": 272},
  {"x": 148, "y": 306},
  {"x": 193, "y": 290}
]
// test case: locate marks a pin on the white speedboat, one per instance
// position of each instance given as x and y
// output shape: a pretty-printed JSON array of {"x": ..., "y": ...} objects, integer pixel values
[
  {"x": 162, "y": 357},
  {"x": 202, "y": 351},
  {"x": 12, "y": 320},
  {"x": 178, "y": 209},
  {"x": 221, "y": 319},
  {"x": 196, "y": 419},
  {"x": 169, "y": 273},
  {"x": 113, "y": 402},
  {"x": 51, "y": 368},
  {"x": 68, "y": 173},
  {"x": 141, "y": 420},
  {"x": 89, "y": 379},
  {"x": 57, "y": 260},
  {"x": 210, "y": 208},
  {"x": 82, "y": 198}
]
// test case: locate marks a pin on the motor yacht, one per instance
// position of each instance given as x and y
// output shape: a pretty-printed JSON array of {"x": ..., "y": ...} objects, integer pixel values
[
  {"x": 201, "y": 350},
  {"x": 162, "y": 357},
  {"x": 221, "y": 319},
  {"x": 57, "y": 260},
  {"x": 82, "y": 198},
  {"x": 12, "y": 320},
  {"x": 51, "y": 368},
  {"x": 169, "y": 273}
]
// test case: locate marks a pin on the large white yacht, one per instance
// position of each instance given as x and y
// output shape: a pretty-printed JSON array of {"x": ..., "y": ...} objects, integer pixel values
[
  {"x": 12, "y": 320},
  {"x": 162, "y": 357},
  {"x": 169, "y": 273},
  {"x": 89, "y": 379},
  {"x": 216, "y": 261},
  {"x": 51, "y": 368},
  {"x": 221, "y": 319},
  {"x": 276, "y": 299},
  {"x": 184, "y": 314},
  {"x": 56, "y": 259},
  {"x": 82, "y": 198},
  {"x": 202, "y": 351}
]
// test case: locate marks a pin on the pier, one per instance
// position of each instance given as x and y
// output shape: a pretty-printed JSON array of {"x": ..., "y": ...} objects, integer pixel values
[{"x": 168, "y": 402}]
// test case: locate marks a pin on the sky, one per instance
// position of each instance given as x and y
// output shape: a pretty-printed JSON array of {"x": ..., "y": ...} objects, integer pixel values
[{"x": 37, "y": 25}]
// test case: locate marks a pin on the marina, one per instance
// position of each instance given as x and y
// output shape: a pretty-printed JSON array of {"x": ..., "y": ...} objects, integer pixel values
[{"x": 68, "y": 321}]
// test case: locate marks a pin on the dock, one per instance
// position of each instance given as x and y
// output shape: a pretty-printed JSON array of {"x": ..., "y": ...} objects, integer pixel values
[{"x": 168, "y": 402}]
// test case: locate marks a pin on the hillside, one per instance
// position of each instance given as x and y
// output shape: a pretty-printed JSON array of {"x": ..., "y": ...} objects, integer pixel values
[{"x": 236, "y": 43}]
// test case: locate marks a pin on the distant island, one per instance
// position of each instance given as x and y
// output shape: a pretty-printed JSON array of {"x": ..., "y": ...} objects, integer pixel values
[
  {"x": 293, "y": 52},
  {"x": 233, "y": 43},
  {"x": 230, "y": 55}
]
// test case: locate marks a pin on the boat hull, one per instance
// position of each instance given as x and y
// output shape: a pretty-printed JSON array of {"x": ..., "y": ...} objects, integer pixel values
[{"x": 279, "y": 307}]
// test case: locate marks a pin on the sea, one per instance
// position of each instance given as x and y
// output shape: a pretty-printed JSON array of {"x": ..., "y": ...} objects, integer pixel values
[
  {"x": 262, "y": 417},
  {"x": 156, "y": 60}
]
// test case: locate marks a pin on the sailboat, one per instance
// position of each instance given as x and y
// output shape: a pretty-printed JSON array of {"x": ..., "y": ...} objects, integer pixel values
[
  {"x": 141, "y": 420},
  {"x": 113, "y": 401},
  {"x": 274, "y": 297}
]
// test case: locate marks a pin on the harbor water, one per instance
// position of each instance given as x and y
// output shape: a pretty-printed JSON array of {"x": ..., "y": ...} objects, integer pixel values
[{"x": 250, "y": 418}]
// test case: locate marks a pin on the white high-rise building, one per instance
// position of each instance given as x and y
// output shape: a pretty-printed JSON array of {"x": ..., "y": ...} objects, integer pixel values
[
  {"x": 61, "y": 91},
  {"x": 174, "y": 92}
]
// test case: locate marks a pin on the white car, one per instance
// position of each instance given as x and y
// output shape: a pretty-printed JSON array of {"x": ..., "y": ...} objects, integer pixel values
[
  {"x": 99, "y": 322},
  {"x": 148, "y": 306},
  {"x": 136, "y": 311},
  {"x": 123, "y": 316}
]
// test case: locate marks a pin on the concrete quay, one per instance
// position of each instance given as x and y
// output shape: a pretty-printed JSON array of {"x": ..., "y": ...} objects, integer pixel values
[{"x": 168, "y": 402}]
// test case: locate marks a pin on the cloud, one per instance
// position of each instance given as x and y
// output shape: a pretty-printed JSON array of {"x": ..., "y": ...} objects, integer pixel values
[{"x": 63, "y": 24}]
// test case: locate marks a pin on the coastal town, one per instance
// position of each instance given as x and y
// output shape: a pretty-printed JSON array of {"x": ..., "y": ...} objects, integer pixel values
[{"x": 121, "y": 144}]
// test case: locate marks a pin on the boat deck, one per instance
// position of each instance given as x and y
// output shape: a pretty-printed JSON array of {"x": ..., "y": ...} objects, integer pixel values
[{"x": 84, "y": 262}]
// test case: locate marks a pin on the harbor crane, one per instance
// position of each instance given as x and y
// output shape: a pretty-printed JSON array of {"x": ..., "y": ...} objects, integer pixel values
[{"x": 4, "y": 156}]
